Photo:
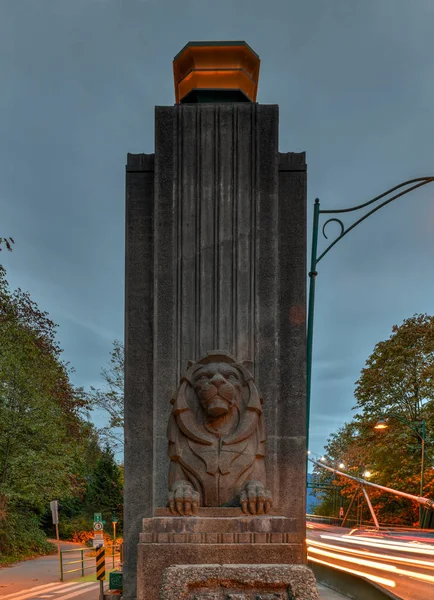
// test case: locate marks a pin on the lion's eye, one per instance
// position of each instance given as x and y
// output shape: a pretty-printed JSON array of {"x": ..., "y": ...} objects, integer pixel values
[
  {"x": 232, "y": 377},
  {"x": 203, "y": 378}
]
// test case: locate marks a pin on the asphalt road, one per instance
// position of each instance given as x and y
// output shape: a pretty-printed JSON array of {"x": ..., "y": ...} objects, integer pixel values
[
  {"x": 39, "y": 579},
  {"x": 404, "y": 562}
]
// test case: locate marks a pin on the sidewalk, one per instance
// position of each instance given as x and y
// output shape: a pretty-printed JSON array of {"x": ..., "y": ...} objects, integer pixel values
[{"x": 326, "y": 593}]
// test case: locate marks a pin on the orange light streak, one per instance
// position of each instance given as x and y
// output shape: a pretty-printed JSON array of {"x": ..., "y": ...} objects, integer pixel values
[
  {"x": 374, "y": 565},
  {"x": 429, "y": 564},
  {"x": 374, "y": 578},
  {"x": 423, "y": 549}
]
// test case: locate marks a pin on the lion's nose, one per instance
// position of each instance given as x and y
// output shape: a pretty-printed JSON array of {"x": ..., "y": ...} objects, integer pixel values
[{"x": 217, "y": 380}]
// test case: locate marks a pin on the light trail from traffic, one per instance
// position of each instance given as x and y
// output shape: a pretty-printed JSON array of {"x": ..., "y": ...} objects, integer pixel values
[
  {"x": 374, "y": 578},
  {"x": 410, "y": 562},
  {"x": 385, "y": 555},
  {"x": 372, "y": 564},
  {"x": 397, "y": 546}
]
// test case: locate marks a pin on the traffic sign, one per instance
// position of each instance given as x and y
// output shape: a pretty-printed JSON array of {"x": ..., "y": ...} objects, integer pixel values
[
  {"x": 98, "y": 526},
  {"x": 341, "y": 511},
  {"x": 54, "y": 505},
  {"x": 97, "y": 543},
  {"x": 97, "y": 517}
]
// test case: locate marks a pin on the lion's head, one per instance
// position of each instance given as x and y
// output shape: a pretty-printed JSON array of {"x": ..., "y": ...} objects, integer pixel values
[
  {"x": 213, "y": 386},
  {"x": 218, "y": 386}
]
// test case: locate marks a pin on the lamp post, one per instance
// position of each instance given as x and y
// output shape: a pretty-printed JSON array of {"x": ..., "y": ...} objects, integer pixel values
[
  {"x": 419, "y": 428},
  {"x": 376, "y": 203}
]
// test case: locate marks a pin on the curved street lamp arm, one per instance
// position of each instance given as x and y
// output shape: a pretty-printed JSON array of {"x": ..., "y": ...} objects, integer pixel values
[
  {"x": 414, "y": 184},
  {"x": 420, "y": 182}
]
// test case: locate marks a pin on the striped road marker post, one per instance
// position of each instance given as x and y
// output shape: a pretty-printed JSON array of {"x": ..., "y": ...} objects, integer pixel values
[{"x": 100, "y": 569}]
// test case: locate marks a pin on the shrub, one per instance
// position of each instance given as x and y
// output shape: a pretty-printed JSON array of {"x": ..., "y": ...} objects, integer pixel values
[{"x": 21, "y": 536}]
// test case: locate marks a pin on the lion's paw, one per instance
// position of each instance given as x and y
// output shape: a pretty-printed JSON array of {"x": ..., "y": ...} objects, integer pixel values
[
  {"x": 183, "y": 499},
  {"x": 255, "y": 499}
]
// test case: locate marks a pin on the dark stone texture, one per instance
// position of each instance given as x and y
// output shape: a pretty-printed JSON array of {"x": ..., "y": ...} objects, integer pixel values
[
  {"x": 153, "y": 559},
  {"x": 290, "y": 417},
  {"x": 270, "y": 529},
  {"x": 219, "y": 537},
  {"x": 238, "y": 582},
  {"x": 218, "y": 258},
  {"x": 138, "y": 358},
  {"x": 222, "y": 217}
]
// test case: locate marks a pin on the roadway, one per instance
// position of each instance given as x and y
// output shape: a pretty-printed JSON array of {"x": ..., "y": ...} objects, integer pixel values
[
  {"x": 401, "y": 562},
  {"x": 39, "y": 579}
]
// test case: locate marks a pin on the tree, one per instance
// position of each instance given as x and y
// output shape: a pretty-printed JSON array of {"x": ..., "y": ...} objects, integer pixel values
[
  {"x": 111, "y": 398},
  {"x": 7, "y": 242},
  {"x": 396, "y": 383},
  {"x": 40, "y": 417},
  {"x": 105, "y": 486}
]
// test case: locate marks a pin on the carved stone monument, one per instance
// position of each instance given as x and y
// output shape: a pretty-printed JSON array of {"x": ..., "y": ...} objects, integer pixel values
[
  {"x": 217, "y": 439},
  {"x": 215, "y": 258}
]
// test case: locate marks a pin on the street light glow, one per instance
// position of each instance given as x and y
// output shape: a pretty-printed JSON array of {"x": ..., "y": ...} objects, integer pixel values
[
  {"x": 341, "y": 466},
  {"x": 367, "y": 474},
  {"x": 381, "y": 424},
  {"x": 322, "y": 458}
]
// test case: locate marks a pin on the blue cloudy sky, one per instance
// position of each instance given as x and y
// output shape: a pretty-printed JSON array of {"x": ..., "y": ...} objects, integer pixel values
[{"x": 355, "y": 85}]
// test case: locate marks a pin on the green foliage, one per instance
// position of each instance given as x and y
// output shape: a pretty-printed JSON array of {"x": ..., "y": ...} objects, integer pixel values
[
  {"x": 104, "y": 493},
  {"x": 397, "y": 383},
  {"x": 47, "y": 449},
  {"x": 110, "y": 398},
  {"x": 22, "y": 537},
  {"x": 68, "y": 528}
]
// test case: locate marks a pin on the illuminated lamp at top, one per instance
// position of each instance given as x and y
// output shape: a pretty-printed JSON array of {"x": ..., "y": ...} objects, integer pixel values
[{"x": 216, "y": 72}]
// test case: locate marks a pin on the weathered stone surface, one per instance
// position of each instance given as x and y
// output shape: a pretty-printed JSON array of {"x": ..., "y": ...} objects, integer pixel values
[
  {"x": 221, "y": 529},
  {"x": 216, "y": 258},
  {"x": 139, "y": 450},
  {"x": 238, "y": 582},
  {"x": 217, "y": 252},
  {"x": 217, "y": 439},
  {"x": 153, "y": 559}
]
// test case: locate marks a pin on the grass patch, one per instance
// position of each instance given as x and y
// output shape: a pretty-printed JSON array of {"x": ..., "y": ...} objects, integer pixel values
[
  {"x": 7, "y": 561},
  {"x": 92, "y": 576}
]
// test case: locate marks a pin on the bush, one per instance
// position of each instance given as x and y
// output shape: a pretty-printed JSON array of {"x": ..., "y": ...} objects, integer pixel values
[
  {"x": 21, "y": 537},
  {"x": 69, "y": 528}
]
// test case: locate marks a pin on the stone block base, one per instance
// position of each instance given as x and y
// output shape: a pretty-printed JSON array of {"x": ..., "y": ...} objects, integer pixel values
[
  {"x": 238, "y": 582},
  {"x": 223, "y": 537}
]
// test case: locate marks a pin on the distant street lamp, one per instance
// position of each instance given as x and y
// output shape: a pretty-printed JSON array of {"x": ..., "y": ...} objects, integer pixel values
[
  {"x": 401, "y": 190},
  {"x": 419, "y": 428}
]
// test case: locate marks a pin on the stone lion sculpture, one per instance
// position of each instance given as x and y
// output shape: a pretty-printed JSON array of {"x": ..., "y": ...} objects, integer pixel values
[{"x": 216, "y": 439}]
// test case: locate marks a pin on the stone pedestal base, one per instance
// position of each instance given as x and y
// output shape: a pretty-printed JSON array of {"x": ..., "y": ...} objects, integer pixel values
[
  {"x": 238, "y": 582},
  {"x": 216, "y": 536}
]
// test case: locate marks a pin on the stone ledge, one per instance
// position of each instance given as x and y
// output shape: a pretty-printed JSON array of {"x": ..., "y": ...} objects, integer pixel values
[
  {"x": 218, "y": 538},
  {"x": 153, "y": 559},
  {"x": 238, "y": 582},
  {"x": 220, "y": 530}
]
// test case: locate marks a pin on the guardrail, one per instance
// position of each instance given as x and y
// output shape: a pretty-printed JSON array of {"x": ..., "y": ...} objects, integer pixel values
[
  {"x": 86, "y": 559},
  {"x": 351, "y": 523}
]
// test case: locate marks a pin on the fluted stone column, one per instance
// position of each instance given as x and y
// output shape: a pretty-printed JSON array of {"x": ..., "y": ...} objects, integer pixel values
[{"x": 216, "y": 258}]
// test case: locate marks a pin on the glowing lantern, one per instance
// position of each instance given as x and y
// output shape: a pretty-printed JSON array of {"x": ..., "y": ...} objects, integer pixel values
[{"x": 216, "y": 72}]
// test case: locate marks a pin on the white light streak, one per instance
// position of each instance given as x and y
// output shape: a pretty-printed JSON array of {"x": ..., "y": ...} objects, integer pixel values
[{"x": 374, "y": 578}]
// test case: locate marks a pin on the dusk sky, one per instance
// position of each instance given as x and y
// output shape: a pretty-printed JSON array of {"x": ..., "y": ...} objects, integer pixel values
[{"x": 355, "y": 85}]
